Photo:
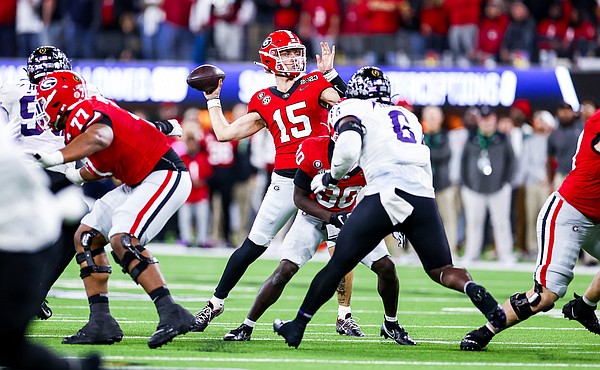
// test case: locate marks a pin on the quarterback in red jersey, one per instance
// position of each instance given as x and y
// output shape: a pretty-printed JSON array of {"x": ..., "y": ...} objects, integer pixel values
[
  {"x": 568, "y": 222},
  {"x": 155, "y": 183},
  {"x": 292, "y": 111},
  {"x": 319, "y": 219}
]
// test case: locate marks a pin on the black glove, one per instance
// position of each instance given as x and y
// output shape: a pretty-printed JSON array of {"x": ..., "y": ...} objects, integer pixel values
[
  {"x": 169, "y": 127},
  {"x": 338, "y": 219}
]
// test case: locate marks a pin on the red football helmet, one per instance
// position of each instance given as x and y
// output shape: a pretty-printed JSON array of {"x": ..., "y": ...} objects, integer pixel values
[
  {"x": 283, "y": 54},
  {"x": 56, "y": 95}
]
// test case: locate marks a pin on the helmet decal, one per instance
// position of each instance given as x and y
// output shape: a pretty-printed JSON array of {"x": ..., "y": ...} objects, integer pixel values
[
  {"x": 267, "y": 42},
  {"x": 370, "y": 83},
  {"x": 48, "y": 83},
  {"x": 57, "y": 94},
  {"x": 44, "y": 60}
]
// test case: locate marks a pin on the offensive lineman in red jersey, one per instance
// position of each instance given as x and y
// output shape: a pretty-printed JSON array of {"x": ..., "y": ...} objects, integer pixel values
[
  {"x": 568, "y": 222},
  {"x": 319, "y": 219},
  {"x": 115, "y": 142},
  {"x": 292, "y": 111}
]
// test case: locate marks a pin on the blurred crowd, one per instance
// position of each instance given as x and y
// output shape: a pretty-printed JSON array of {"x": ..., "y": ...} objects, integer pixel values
[
  {"x": 383, "y": 32},
  {"x": 495, "y": 169}
]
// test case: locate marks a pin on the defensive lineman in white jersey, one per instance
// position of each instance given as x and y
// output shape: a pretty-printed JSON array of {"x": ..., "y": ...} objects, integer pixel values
[
  {"x": 393, "y": 153},
  {"x": 387, "y": 143},
  {"x": 18, "y": 110}
]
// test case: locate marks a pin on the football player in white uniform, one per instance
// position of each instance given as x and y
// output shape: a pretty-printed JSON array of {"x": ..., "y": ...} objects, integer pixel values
[
  {"x": 25, "y": 201},
  {"x": 387, "y": 143},
  {"x": 18, "y": 110},
  {"x": 17, "y": 114}
]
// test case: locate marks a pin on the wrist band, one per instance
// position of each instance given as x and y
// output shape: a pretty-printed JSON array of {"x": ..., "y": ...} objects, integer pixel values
[
  {"x": 55, "y": 158},
  {"x": 74, "y": 175},
  {"x": 330, "y": 75},
  {"x": 214, "y": 102}
]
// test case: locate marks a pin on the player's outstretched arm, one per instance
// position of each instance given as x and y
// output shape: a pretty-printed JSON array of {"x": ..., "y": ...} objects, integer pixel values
[
  {"x": 95, "y": 138},
  {"x": 325, "y": 65},
  {"x": 245, "y": 126},
  {"x": 347, "y": 148}
]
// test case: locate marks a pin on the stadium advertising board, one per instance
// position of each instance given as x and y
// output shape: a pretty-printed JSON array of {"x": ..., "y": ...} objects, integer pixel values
[{"x": 145, "y": 82}]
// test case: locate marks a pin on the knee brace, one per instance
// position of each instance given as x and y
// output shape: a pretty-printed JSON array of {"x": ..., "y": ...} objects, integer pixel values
[
  {"x": 522, "y": 305},
  {"x": 88, "y": 255},
  {"x": 133, "y": 252}
]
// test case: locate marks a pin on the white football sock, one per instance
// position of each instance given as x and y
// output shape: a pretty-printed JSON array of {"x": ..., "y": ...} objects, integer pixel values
[
  {"x": 343, "y": 311},
  {"x": 588, "y": 302},
  {"x": 249, "y": 322},
  {"x": 391, "y": 319},
  {"x": 217, "y": 302}
]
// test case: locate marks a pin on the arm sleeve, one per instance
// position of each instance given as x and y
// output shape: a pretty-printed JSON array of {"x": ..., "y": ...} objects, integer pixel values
[
  {"x": 340, "y": 85},
  {"x": 302, "y": 180},
  {"x": 346, "y": 153}
]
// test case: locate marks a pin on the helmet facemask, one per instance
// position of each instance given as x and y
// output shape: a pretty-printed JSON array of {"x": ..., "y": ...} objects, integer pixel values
[{"x": 297, "y": 63}]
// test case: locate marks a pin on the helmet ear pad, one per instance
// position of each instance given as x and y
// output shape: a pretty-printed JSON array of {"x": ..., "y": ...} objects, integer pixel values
[{"x": 370, "y": 83}]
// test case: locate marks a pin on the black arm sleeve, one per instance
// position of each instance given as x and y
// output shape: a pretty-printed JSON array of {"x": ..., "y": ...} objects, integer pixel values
[
  {"x": 339, "y": 84},
  {"x": 302, "y": 180},
  {"x": 354, "y": 125}
]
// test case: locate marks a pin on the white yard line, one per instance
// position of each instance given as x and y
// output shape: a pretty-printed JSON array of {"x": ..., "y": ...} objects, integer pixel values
[{"x": 350, "y": 362}]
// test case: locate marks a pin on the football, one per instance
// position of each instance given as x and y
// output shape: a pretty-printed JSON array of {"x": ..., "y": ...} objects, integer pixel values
[{"x": 205, "y": 78}]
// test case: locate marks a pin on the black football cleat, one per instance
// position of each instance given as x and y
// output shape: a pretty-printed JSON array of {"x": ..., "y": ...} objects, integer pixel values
[
  {"x": 100, "y": 329},
  {"x": 576, "y": 309},
  {"x": 205, "y": 316},
  {"x": 396, "y": 332},
  {"x": 241, "y": 334},
  {"x": 488, "y": 306},
  {"x": 45, "y": 312},
  {"x": 175, "y": 321},
  {"x": 290, "y": 331},
  {"x": 476, "y": 340}
]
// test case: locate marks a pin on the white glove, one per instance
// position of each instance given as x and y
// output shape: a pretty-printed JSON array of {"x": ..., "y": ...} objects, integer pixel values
[
  {"x": 322, "y": 181},
  {"x": 49, "y": 159},
  {"x": 176, "y": 130},
  {"x": 400, "y": 238},
  {"x": 74, "y": 175},
  {"x": 169, "y": 127}
]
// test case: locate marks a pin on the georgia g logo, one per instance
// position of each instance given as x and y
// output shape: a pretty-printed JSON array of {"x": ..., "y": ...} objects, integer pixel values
[
  {"x": 48, "y": 83},
  {"x": 266, "y": 43}
]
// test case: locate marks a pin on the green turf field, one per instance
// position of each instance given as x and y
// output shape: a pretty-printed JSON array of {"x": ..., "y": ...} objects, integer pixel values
[{"x": 435, "y": 317}]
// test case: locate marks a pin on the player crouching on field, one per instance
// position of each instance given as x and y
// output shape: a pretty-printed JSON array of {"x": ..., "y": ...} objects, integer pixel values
[{"x": 155, "y": 183}]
